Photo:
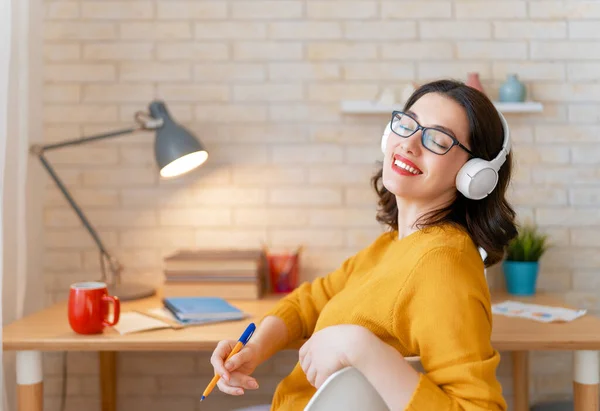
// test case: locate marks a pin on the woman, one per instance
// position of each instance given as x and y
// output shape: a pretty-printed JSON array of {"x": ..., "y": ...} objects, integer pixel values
[{"x": 418, "y": 289}]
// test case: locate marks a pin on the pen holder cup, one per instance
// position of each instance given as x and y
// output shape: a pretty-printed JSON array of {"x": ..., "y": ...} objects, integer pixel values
[{"x": 283, "y": 272}]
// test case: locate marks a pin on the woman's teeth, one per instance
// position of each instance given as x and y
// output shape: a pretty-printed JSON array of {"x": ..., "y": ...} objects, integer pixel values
[{"x": 406, "y": 167}]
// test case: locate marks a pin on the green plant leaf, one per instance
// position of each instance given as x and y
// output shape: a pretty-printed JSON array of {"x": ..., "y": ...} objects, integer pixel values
[{"x": 528, "y": 245}]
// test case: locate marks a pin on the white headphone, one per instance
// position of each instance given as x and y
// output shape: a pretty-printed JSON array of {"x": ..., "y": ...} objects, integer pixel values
[{"x": 478, "y": 177}]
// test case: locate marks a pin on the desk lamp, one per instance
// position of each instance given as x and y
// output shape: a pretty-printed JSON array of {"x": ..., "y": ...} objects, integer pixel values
[{"x": 176, "y": 150}]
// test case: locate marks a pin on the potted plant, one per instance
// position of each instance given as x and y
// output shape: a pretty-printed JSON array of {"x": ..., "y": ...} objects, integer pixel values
[{"x": 521, "y": 265}]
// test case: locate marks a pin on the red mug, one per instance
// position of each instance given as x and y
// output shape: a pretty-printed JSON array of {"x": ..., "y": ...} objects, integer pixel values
[{"x": 89, "y": 307}]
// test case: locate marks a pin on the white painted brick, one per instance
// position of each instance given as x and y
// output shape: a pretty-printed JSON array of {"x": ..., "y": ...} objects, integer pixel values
[
  {"x": 62, "y": 260},
  {"x": 264, "y": 133},
  {"x": 226, "y": 112},
  {"x": 181, "y": 386},
  {"x": 155, "y": 403},
  {"x": 315, "y": 237},
  {"x": 418, "y": 50},
  {"x": 117, "y": 10},
  {"x": 558, "y": 237},
  {"x": 329, "y": 92},
  {"x": 564, "y": 50},
  {"x": 541, "y": 154},
  {"x": 342, "y": 217},
  {"x": 505, "y": 9},
  {"x": 138, "y": 385},
  {"x": 555, "y": 9},
  {"x": 146, "y": 364},
  {"x": 564, "y": 175},
  {"x": 123, "y": 177},
  {"x": 79, "y": 72},
  {"x": 505, "y": 50},
  {"x": 123, "y": 218},
  {"x": 157, "y": 30},
  {"x": 58, "y": 10},
  {"x": 194, "y": 217},
  {"x": 535, "y": 196},
  {"x": 585, "y": 154},
  {"x": 359, "y": 196},
  {"x": 155, "y": 71},
  {"x": 226, "y": 72},
  {"x": 191, "y": 10},
  {"x": 304, "y": 30},
  {"x": 193, "y": 93},
  {"x": 64, "y": 93},
  {"x": 157, "y": 237},
  {"x": 307, "y": 154},
  {"x": 521, "y": 133},
  {"x": 584, "y": 113},
  {"x": 340, "y": 174},
  {"x": 584, "y": 30},
  {"x": 61, "y": 52},
  {"x": 265, "y": 174},
  {"x": 381, "y": 30},
  {"x": 157, "y": 197},
  {"x": 84, "y": 155},
  {"x": 379, "y": 71},
  {"x": 117, "y": 51},
  {"x": 584, "y": 280},
  {"x": 530, "y": 29},
  {"x": 118, "y": 93},
  {"x": 574, "y": 217},
  {"x": 180, "y": 113},
  {"x": 585, "y": 237},
  {"x": 426, "y": 71},
  {"x": 54, "y": 386},
  {"x": 137, "y": 155},
  {"x": 77, "y": 238},
  {"x": 363, "y": 154},
  {"x": 328, "y": 112},
  {"x": 521, "y": 174},
  {"x": 305, "y": 196},
  {"x": 327, "y": 10},
  {"x": 567, "y": 133},
  {"x": 586, "y": 300},
  {"x": 267, "y": 92},
  {"x": 304, "y": 71},
  {"x": 341, "y": 51},
  {"x": 217, "y": 196},
  {"x": 266, "y": 9},
  {"x": 270, "y": 51},
  {"x": 588, "y": 196},
  {"x": 530, "y": 71},
  {"x": 272, "y": 217},
  {"x": 224, "y": 30},
  {"x": 230, "y": 237},
  {"x": 74, "y": 30},
  {"x": 416, "y": 9},
  {"x": 71, "y": 178},
  {"x": 445, "y": 30},
  {"x": 192, "y": 51},
  {"x": 79, "y": 113},
  {"x": 583, "y": 71}
]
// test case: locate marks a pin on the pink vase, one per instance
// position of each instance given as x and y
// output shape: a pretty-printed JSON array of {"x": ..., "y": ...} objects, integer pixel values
[{"x": 473, "y": 81}]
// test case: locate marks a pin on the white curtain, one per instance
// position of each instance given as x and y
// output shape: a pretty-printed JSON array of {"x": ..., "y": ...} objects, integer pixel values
[{"x": 21, "y": 182}]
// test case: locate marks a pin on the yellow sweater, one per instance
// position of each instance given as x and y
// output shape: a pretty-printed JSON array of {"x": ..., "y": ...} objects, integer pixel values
[{"x": 424, "y": 295}]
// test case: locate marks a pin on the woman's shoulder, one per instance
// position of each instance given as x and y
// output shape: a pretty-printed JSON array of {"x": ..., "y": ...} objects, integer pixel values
[{"x": 449, "y": 236}]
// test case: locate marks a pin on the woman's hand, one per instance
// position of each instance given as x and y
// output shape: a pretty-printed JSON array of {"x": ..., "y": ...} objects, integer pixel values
[
  {"x": 332, "y": 349},
  {"x": 235, "y": 372}
]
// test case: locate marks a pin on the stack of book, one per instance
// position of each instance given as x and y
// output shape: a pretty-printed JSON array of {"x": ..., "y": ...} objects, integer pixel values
[{"x": 236, "y": 273}]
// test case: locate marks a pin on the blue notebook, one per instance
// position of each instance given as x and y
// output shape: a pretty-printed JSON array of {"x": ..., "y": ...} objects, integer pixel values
[{"x": 207, "y": 309}]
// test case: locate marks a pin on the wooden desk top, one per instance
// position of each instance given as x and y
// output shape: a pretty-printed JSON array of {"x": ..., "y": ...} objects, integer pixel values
[{"x": 49, "y": 330}]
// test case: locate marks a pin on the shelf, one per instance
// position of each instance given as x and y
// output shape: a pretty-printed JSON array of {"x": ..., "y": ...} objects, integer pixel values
[{"x": 371, "y": 107}]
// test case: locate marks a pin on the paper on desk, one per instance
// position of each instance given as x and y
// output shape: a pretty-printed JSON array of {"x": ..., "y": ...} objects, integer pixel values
[
  {"x": 131, "y": 322},
  {"x": 542, "y": 313}
]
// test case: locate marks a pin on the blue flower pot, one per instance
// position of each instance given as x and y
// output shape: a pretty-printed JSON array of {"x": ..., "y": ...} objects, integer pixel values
[
  {"x": 521, "y": 277},
  {"x": 512, "y": 90}
]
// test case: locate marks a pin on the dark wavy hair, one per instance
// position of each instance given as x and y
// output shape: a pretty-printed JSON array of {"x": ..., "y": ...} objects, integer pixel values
[{"x": 491, "y": 221}]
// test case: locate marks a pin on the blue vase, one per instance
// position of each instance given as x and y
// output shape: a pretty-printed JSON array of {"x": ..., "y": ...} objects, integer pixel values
[
  {"x": 521, "y": 277},
  {"x": 512, "y": 90}
]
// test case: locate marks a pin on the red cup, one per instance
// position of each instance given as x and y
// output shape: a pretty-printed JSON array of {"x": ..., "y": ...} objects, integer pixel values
[
  {"x": 283, "y": 272},
  {"x": 89, "y": 308}
]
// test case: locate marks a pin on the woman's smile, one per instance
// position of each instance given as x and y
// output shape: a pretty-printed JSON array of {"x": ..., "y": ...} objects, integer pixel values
[{"x": 405, "y": 167}]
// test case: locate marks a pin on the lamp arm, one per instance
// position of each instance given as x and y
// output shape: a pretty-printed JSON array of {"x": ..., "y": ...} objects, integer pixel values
[{"x": 76, "y": 141}]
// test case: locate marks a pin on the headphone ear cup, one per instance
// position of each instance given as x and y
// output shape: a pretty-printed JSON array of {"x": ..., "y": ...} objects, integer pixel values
[
  {"x": 476, "y": 179},
  {"x": 384, "y": 137}
]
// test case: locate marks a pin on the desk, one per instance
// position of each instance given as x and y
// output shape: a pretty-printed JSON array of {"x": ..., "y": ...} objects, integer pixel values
[{"x": 48, "y": 330}]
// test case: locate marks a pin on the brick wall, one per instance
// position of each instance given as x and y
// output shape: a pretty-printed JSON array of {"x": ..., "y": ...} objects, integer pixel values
[{"x": 260, "y": 82}]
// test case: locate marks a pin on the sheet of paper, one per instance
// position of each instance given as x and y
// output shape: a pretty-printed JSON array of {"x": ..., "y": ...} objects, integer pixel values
[
  {"x": 131, "y": 322},
  {"x": 541, "y": 313}
]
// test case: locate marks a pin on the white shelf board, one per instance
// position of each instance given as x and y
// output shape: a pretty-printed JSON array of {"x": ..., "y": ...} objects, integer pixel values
[{"x": 372, "y": 107}]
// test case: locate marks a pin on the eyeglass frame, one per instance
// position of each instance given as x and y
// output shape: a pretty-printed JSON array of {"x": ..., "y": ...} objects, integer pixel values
[{"x": 455, "y": 141}]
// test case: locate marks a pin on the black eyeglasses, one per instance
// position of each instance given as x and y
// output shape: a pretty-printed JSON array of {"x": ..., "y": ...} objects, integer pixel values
[{"x": 435, "y": 140}]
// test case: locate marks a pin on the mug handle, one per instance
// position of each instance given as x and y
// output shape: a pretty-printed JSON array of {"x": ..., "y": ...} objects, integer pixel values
[{"x": 116, "y": 310}]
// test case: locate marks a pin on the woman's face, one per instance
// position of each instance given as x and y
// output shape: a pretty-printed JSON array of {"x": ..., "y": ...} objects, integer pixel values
[{"x": 432, "y": 179}]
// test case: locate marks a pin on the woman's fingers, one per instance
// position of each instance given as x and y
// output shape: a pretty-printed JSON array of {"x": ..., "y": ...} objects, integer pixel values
[
  {"x": 242, "y": 381},
  {"x": 218, "y": 356},
  {"x": 228, "y": 389},
  {"x": 238, "y": 360}
]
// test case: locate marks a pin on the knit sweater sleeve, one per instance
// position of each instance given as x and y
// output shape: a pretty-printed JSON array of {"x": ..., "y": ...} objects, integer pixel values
[
  {"x": 450, "y": 327},
  {"x": 301, "y": 308}
]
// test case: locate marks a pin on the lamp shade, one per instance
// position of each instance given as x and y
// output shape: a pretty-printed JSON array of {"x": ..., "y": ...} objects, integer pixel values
[{"x": 177, "y": 151}]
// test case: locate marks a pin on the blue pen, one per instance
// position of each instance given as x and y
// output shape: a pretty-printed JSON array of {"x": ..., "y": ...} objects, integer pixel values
[{"x": 238, "y": 346}]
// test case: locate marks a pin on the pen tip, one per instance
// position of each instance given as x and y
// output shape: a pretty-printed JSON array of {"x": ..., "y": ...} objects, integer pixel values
[{"x": 202, "y": 399}]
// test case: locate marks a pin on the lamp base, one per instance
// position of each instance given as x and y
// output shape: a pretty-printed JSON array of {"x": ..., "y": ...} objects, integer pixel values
[{"x": 131, "y": 291}]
